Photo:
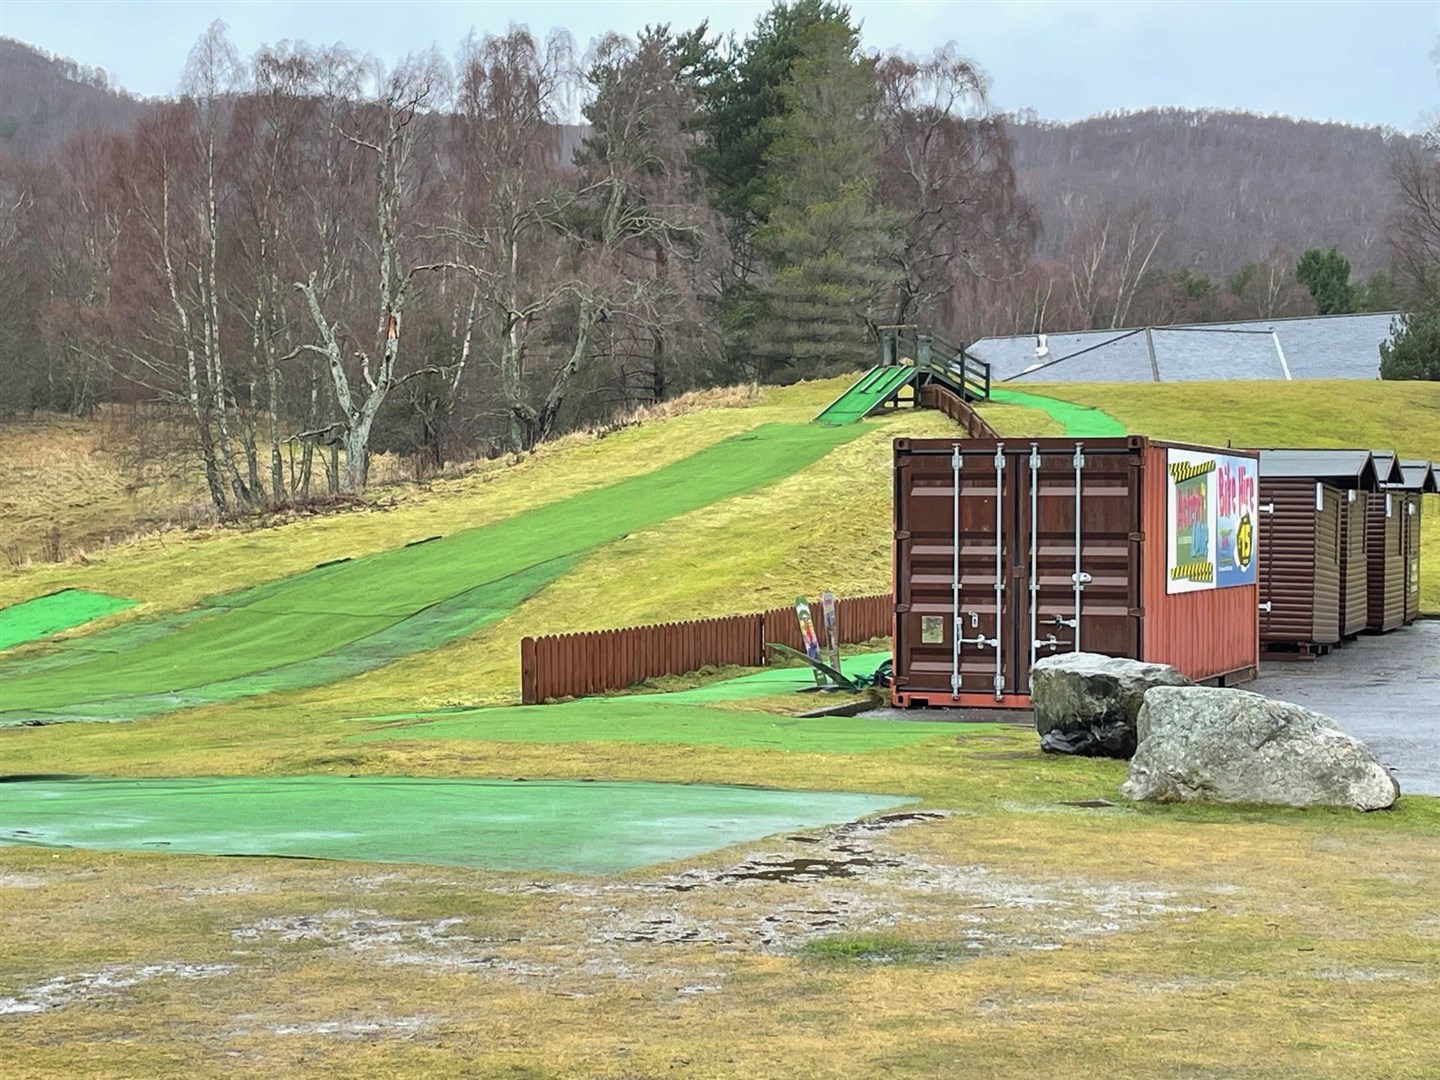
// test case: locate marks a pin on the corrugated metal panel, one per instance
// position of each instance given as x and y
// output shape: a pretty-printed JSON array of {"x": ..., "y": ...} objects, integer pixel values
[
  {"x": 1206, "y": 634},
  {"x": 1385, "y": 561},
  {"x": 1353, "y": 569}
]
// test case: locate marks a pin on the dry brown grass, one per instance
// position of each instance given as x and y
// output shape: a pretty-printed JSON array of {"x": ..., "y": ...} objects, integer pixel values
[{"x": 71, "y": 487}]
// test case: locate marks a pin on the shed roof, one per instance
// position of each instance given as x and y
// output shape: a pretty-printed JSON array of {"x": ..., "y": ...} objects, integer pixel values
[
  {"x": 1319, "y": 347},
  {"x": 1344, "y": 468},
  {"x": 1387, "y": 468},
  {"x": 1419, "y": 476}
]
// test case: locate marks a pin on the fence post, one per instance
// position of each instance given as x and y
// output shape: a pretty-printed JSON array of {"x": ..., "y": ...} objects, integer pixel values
[{"x": 528, "y": 695}]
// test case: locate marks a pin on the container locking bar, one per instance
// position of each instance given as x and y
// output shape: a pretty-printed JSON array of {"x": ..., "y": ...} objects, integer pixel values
[
  {"x": 1079, "y": 577},
  {"x": 1034, "y": 562},
  {"x": 957, "y": 463},
  {"x": 999, "y": 566}
]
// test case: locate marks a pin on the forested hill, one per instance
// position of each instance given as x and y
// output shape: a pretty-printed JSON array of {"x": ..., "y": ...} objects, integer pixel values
[
  {"x": 1227, "y": 186},
  {"x": 45, "y": 99}
]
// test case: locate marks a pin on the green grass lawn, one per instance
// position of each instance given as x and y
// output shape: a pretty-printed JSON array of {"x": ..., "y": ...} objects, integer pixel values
[
  {"x": 1399, "y": 416},
  {"x": 1033, "y": 925}
]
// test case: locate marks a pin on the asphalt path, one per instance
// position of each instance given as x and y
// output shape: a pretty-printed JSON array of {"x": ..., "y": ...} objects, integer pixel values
[{"x": 1384, "y": 690}]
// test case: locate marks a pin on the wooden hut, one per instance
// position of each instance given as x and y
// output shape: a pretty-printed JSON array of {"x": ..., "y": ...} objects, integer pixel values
[
  {"x": 1312, "y": 565},
  {"x": 1385, "y": 546}
]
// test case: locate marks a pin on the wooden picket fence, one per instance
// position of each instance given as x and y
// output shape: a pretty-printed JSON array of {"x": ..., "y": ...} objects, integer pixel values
[{"x": 574, "y": 665}]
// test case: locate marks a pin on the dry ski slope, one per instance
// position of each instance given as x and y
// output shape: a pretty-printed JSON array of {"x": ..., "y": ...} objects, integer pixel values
[{"x": 350, "y": 616}]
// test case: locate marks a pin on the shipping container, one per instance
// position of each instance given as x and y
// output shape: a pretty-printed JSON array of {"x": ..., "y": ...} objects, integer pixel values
[
  {"x": 1313, "y": 574},
  {"x": 1007, "y": 550},
  {"x": 1385, "y": 537}
]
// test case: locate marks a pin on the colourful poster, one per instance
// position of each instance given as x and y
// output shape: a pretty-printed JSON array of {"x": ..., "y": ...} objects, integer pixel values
[{"x": 1213, "y": 504}]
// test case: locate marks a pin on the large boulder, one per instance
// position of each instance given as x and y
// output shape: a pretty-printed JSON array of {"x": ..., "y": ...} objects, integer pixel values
[
  {"x": 1087, "y": 704},
  {"x": 1229, "y": 746}
]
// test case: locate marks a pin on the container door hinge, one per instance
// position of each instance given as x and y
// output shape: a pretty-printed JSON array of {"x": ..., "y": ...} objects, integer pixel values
[
  {"x": 1267, "y": 508},
  {"x": 1265, "y": 606}
]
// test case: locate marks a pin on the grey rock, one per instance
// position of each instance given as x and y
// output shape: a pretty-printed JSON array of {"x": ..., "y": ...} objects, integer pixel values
[
  {"x": 1088, "y": 704},
  {"x": 1229, "y": 746}
]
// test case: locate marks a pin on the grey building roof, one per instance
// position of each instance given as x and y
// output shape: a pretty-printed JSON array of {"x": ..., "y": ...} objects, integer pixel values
[
  {"x": 1419, "y": 476},
  {"x": 1343, "y": 468},
  {"x": 1388, "y": 469},
  {"x": 1320, "y": 347}
]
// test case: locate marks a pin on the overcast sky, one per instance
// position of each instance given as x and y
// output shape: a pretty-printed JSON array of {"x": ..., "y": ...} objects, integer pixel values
[{"x": 1366, "y": 62}]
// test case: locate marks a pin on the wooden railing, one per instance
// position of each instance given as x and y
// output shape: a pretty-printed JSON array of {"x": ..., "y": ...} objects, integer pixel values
[
  {"x": 936, "y": 359},
  {"x": 942, "y": 398},
  {"x": 574, "y": 665}
]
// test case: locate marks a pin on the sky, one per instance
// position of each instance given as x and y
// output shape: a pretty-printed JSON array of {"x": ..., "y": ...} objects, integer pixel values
[{"x": 1369, "y": 62}]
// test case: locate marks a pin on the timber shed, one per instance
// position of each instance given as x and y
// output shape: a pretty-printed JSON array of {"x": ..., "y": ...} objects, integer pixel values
[
  {"x": 1009, "y": 550},
  {"x": 1419, "y": 480},
  {"x": 1313, "y": 571},
  {"x": 1386, "y": 534}
]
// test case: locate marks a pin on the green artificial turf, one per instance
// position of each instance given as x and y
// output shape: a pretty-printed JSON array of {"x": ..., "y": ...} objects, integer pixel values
[
  {"x": 873, "y": 387},
  {"x": 685, "y": 717},
  {"x": 564, "y": 827},
  {"x": 1080, "y": 421},
  {"x": 46, "y": 616},
  {"x": 480, "y": 573}
]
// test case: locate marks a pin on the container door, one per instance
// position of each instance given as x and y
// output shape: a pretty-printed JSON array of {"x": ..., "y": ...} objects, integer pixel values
[
  {"x": 1081, "y": 592},
  {"x": 957, "y": 511}
]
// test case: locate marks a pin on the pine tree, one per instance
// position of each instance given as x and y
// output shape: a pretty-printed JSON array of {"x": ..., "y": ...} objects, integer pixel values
[{"x": 826, "y": 245}]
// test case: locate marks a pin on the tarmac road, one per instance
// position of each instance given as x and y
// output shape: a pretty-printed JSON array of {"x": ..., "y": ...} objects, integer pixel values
[{"x": 1384, "y": 690}]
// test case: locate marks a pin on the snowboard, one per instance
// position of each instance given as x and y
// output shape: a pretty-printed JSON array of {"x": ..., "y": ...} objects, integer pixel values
[
  {"x": 822, "y": 669},
  {"x": 830, "y": 611},
  {"x": 807, "y": 635}
]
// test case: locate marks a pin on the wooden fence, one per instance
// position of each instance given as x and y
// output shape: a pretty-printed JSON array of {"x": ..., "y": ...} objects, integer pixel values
[
  {"x": 959, "y": 410},
  {"x": 574, "y": 665}
]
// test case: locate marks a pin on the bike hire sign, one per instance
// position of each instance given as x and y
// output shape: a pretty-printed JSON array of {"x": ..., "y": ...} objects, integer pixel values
[{"x": 1213, "y": 503}]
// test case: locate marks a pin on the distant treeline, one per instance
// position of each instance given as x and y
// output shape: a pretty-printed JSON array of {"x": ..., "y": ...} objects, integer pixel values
[{"x": 307, "y": 253}]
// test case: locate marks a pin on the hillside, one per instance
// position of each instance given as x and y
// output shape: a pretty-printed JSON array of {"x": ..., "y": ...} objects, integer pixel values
[
  {"x": 448, "y": 908},
  {"x": 1228, "y": 186},
  {"x": 46, "y": 99}
]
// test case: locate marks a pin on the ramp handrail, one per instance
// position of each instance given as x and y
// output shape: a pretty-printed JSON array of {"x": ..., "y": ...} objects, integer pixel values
[{"x": 936, "y": 359}]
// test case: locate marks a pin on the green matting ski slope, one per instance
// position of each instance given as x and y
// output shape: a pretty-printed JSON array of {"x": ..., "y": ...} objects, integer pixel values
[
  {"x": 1079, "y": 421},
  {"x": 874, "y": 387},
  {"x": 46, "y": 616},
  {"x": 562, "y": 827},
  {"x": 353, "y": 616},
  {"x": 687, "y": 717}
]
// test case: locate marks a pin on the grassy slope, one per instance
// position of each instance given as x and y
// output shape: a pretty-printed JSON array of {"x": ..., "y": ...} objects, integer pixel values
[
  {"x": 1404, "y": 417},
  {"x": 173, "y": 571},
  {"x": 77, "y": 484},
  {"x": 1267, "y": 943}
]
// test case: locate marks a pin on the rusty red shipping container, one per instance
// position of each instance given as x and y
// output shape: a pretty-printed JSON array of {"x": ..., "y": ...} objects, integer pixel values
[
  {"x": 1010, "y": 550},
  {"x": 1313, "y": 572}
]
